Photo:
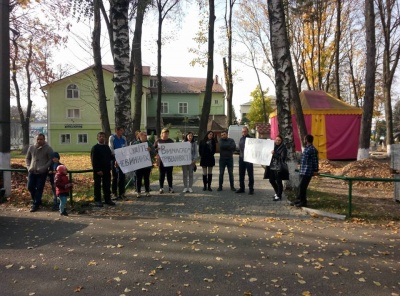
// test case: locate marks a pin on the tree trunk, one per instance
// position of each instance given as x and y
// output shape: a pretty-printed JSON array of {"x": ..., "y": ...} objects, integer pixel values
[
  {"x": 337, "y": 46},
  {"x": 228, "y": 66},
  {"x": 122, "y": 80},
  {"x": 159, "y": 77},
  {"x": 98, "y": 69},
  {"x": 137, "y": 62},
  {"x": 368, "y": 107},
  {"x": 283, "y": 78},
  {"x": 205, "y": 112}
]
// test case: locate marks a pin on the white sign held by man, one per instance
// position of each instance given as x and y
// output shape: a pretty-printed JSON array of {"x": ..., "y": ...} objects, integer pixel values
[
  {"x": 134, "y": 157},
  {"x": 258, "y": 151},
  {"x": 175, "y": 154}
]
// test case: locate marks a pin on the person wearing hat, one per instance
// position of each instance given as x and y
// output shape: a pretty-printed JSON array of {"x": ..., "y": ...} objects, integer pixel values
[
  {"x": 63, "y": 187},
  {"x": 38, "y": 159},
  {"x": 55, "y": 162}
]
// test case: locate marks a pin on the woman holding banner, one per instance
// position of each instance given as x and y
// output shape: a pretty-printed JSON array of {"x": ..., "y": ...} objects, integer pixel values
[
  {"x": 279, "y": 155},
  {"x": 187, "y": 170},
  {"x": 164, "y": 138},
  {"x": 207, "y": 150}
]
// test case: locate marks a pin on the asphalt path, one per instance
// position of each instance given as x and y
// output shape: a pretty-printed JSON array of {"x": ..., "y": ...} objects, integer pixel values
[{"x": 200, "y": 243}]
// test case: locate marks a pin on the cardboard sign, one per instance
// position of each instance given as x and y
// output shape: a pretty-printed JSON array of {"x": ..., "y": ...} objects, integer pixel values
[
  {"x": 134, "y": 157},
  {"x": 258, "y": 151},
  {"x": 175, "y": 154}
]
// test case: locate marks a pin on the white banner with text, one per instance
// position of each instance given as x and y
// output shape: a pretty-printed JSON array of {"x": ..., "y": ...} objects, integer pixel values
[
  {"x": 175, "y": 154},
  {"x": 258, "y": 151},
  {"x": 134, "y": 157}
]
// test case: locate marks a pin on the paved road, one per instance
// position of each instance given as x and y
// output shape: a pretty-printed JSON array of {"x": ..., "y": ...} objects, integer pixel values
[{"x": 201, "y": 243}]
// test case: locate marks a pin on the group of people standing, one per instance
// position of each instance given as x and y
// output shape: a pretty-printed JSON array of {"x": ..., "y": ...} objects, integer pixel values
[{"x": 41, "y": 162}]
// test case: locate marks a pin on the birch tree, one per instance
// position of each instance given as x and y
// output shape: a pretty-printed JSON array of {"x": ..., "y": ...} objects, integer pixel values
[{"x": 283, "y": 75}]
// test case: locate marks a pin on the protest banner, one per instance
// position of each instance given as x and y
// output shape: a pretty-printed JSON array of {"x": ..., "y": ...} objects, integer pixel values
[
  {"x": 258, "y": 151},
  {"x": 134, "y": 157},
  {"x": 175, "y": 154}
]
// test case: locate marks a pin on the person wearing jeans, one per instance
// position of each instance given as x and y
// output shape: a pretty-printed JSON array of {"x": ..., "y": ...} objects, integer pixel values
[
  {"x": 308, "y": 169},
  {"x": 38, "y": 159},
  {"x": 226, "y": 148},
  {"x": 187, "y": 170},
  {"x": 164, "y": 138}
]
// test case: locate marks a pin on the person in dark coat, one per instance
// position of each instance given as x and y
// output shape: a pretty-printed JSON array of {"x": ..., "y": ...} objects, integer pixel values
[
  {"x": 279, "y": 155},
  {"x": 244, "y": 165},
  {"x": 226, "y": 148},
  {"x": 101, "y": 158},
  {"x": 207, "y": 148}
]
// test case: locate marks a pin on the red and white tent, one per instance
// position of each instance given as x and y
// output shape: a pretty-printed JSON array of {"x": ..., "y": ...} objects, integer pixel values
[{"x": 334, "y": 124}]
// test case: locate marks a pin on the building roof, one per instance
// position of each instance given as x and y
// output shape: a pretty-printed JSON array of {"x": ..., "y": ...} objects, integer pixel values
[
  {"x": 174, "y": 84},
  {"x": 171, "y": 84}
]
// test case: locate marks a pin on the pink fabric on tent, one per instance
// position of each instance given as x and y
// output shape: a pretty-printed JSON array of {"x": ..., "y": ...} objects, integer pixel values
[
  {"x": 307, "y": 120},
  {"x": 342, "y": 136}
]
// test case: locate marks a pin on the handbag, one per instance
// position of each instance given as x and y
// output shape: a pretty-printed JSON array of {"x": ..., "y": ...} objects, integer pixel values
[
  {"x": 266, "y": 172},
  {"x": 284, "y": 170},
  {"x": 195, "y": 168}
]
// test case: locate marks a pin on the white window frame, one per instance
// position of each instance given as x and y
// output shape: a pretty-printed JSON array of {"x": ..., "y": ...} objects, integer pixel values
[
  {"x": 75, "y": 93},
  {"x": 153, "y": 83},
  {"x": 65, "y": 139},
  {"x": 183, "y": 105},
  {"x": 164, "y": 105},
  {"x": 76, "y": 113},
  {"x": 82, "y": 135}
]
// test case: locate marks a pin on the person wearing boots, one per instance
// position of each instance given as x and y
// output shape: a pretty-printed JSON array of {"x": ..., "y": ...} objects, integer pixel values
[
  {"x": 279, "y": 155},
  {"x": 226, "y": 148},
  {"x": 207, "y": 148}
]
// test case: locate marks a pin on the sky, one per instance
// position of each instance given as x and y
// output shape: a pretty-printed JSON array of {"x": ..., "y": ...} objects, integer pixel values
[{"x": 175, "y": 54}]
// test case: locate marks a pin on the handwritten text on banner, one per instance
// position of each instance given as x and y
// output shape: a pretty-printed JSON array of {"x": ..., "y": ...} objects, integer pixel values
[
  {"x": 258, "y": 151},
  {"x": 134, "y": 157},
  {"x": 175, "y": 154}
]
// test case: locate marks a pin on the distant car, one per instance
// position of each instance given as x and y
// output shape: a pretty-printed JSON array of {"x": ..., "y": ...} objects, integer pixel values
[{"x": 235, "y": 133}]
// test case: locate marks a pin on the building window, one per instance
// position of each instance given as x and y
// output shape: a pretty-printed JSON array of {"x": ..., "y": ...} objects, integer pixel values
[
  {"x": 153, "y": 83},
  {"x": 82, "y": 139},
  {"x": 73, "y": 113},
  {"x": 65, "y": 138},
  {"x": 164, "y": 108},
  {"x": 183, "y": 108},
  {"x": 72, "y": 91},
  {"x": 216, "y": 102}
]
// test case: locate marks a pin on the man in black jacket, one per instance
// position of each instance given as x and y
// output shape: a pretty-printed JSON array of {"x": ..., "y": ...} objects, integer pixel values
[
  {"x": 226, "y": 148},
  {"x": 244, "y": 165},
  {"x": 101, "y": 162}
]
